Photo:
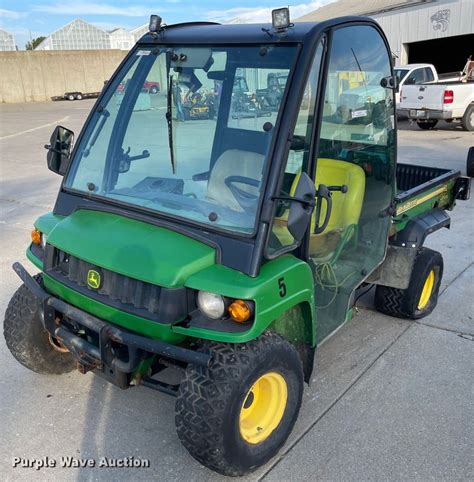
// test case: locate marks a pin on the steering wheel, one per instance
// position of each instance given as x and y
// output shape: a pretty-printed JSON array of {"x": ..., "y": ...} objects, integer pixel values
[{"x": 246, "y": 200}]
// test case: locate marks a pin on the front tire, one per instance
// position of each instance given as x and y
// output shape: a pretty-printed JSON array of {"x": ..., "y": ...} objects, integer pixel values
[
  {"x": 421, "y": 296},
  {"x": 426, "y": 125},
  {"x": 234, "y": 416},
  {"x": 28, "y": 341}
]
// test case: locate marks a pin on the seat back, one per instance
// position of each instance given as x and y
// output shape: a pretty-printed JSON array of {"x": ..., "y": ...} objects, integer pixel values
[
  {"x": 233, "y": 162},
  {"x": 346, "y": 207}
]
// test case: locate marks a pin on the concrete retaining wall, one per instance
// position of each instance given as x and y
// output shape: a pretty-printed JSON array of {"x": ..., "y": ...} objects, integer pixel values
[{"x": 28, "y": 76}]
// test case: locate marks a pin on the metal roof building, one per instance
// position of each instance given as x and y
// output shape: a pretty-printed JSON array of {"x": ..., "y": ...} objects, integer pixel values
[
  {"x": 76, "y": 35},
  {"x": 7, "y": 41},
  {"x": 440, "y": 32},
  {"x": 139, "y": 32},
  {"x": 82, "y": 35},
  {"x": 121, "y": 39}
]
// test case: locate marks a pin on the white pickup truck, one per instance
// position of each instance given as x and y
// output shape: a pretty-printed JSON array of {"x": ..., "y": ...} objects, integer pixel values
[
  {"x": 416, "y": 74},
  {"x": 447, "y": 100},
  {"x": 428, "y": 103}
]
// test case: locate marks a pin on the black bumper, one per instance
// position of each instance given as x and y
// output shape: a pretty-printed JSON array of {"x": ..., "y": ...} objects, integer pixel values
[
  {"x": 116, "y": 349},
  {"x": 426, "y": 114}
]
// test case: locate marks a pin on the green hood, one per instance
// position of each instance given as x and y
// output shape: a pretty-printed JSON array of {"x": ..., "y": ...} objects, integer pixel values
[{"x": 131, "y": 248}]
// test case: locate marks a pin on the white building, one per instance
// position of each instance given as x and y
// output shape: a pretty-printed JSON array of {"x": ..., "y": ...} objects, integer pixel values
[
  {"x": 440, "y": 32},
  {"x": 7, "y": 41},
  {"x": 81, "y": 35},
  {"x": 140, "y": 31},
  {"x": 76, "y": 35},
  {"x": 121, "y": 39}
]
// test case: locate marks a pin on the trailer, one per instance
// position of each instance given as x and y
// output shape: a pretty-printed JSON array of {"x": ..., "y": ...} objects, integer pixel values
[{"x": 76, "y": 95}]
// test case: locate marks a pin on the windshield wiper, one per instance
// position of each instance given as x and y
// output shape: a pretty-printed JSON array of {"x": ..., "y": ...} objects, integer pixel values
[
  {"x": 169, "y": 119},
  {"x": 106, "y": 114},
  {"x": 360, "y": 70}
]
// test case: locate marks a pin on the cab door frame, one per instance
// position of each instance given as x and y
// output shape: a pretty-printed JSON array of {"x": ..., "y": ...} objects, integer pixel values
[
  {"x": 303, "y": 250},
  {"x": 330, "y": 318}
]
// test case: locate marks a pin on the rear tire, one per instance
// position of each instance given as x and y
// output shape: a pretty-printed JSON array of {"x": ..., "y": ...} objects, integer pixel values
[
  {"x": 470, "y": 162},
  {"x": 78, "y": 96},
  {"x": 426, "y": 125},
  {"x": 234, "y": 416},
  {"x": 421, "y": 296},
  {"x": 153, "y": 90},
  {"x": 71, "y": 97},
  {"x": 468, "y": 119},
  {"x": 28, "y": 341}
]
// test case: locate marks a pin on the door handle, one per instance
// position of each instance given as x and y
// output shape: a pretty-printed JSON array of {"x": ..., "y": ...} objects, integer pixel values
[{"x": 323, "y": 192}]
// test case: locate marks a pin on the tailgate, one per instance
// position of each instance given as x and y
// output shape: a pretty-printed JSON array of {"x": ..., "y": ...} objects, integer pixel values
[{"x": 426, "y": 96}]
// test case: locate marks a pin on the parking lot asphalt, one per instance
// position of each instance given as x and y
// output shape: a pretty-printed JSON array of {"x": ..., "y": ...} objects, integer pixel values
[{"x": 390, "y": 399}]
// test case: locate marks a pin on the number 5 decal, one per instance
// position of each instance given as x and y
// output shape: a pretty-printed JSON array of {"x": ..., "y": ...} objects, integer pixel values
[{"x": 282, "y": 287}]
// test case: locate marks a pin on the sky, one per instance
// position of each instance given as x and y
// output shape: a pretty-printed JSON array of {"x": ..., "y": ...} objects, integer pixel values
[{"x": 25, "y": 18}]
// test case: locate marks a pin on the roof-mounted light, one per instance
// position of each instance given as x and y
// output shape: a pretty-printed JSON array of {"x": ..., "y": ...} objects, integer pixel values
[
  {"x": 155, "y": 23},
  {"x": 281, "y": 19}
]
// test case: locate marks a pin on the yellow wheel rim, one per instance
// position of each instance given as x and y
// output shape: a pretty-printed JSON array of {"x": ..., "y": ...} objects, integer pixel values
[
  {"x": 427, "y": 290},
  {"x": 263, "y": 408}
]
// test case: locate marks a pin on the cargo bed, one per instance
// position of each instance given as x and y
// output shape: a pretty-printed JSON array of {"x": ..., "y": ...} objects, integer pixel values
[
  {"x": 422, "y": 189},
  {"x": 413, "y": 180}
]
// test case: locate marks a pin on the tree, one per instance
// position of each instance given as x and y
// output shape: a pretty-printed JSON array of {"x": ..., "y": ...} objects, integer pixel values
[{"x": 34, "y": 43}]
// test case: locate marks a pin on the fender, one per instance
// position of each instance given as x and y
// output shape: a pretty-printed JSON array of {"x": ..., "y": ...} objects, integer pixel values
[
  {"x": 282, "y": 284},
  {"x": 416, "y": 230},
  {"x": 396, "y": 269}
]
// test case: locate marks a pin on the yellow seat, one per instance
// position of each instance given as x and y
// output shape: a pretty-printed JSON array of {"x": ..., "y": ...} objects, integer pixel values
[{"x": 346, "y": 207}]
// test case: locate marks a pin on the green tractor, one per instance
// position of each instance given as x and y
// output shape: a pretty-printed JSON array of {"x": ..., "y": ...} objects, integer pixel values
[{"x": 229, "y": 249}]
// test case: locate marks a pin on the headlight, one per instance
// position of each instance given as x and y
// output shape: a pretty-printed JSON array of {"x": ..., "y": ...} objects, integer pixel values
[
  {"x": 211, "y": 304},
  {"x": 44, "y": 238}
]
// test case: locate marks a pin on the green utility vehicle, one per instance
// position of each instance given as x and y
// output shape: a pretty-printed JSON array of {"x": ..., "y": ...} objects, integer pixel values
[{"x": 229, "y": 248}]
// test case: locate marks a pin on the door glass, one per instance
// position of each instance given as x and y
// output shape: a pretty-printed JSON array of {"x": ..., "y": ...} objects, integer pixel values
[
  {"x": 356, "y": 157},
  {"x": 298, "y": 156}
]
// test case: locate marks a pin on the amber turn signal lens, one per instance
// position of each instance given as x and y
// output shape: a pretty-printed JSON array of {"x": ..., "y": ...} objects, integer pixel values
[
  {"x": 239, "y": 311},
  {"x": 36, "y": 237}
]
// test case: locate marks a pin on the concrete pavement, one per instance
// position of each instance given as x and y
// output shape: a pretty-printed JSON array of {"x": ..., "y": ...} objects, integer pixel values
[{"x": 390, "y": 399}]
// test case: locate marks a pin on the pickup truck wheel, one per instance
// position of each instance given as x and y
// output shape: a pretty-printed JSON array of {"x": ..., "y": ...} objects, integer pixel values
[
  {"x": 428, "y": 124},
  {"x": 470, "y": 162},
  {"x": 28, "y": 341},
  {"x": 421, "y": 296},
  {"x": 468, "y": 119},
  {"x": 234, "y": 416}
]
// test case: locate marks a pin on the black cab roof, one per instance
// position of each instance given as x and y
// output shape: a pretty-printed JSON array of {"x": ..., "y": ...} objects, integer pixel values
[{"x": 209, "y": 32}]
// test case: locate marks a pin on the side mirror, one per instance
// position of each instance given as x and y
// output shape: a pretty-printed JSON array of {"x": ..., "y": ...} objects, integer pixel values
[
  {"x": 59, "y": 150},
  {"x": 302, "y": 207},
  {"x": 389, "y": 82}
]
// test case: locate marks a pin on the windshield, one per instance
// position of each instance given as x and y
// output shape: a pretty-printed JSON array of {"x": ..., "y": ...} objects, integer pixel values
[
  {"x": 400, "y": 74},
  {"x": 185, "y": 131}
]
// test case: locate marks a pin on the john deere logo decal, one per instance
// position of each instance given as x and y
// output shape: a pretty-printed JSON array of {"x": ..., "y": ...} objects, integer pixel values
[{"x": 93, "y": 279}]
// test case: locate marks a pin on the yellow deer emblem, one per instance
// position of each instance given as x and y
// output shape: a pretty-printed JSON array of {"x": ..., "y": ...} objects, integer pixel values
[{"x": 93, "y": 279}]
